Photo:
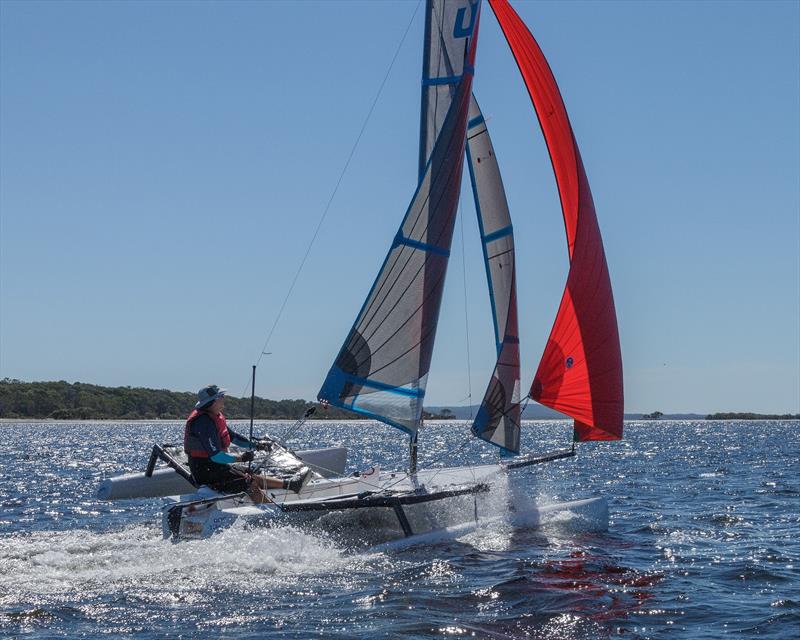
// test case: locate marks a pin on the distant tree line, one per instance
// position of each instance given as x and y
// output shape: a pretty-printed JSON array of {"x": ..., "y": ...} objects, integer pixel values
[
  {"x": 78, "y": 401},
  {"x": 753, "y": 416}
]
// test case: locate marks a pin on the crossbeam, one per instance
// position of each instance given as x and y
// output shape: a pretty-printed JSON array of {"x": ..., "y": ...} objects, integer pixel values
[
  {"x": 559, "y": 455},
  {"x": 370, "y": 499}
]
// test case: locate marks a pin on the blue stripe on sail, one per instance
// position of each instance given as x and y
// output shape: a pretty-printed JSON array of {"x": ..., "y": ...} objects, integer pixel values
[
  {"x": 335, "y": 381},
  {"x": 337, "y": 378},
  {"x": 370, "y": 414},
  {"x": 422, "y": 246},
  {"x": 374, "y": 384},
  {"x": 500, "y": 233},
  {"x": 475, "y": 122},
  {"x": 427, "y": 82}
]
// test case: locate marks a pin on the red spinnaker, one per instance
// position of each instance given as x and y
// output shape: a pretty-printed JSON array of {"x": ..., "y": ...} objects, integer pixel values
[{"x": 580, "y": 373}]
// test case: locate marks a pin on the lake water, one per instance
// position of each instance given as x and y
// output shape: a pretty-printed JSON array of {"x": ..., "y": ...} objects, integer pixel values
[{"x": 703, "y": 542}]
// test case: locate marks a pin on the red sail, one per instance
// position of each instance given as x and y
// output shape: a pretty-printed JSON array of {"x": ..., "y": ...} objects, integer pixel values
[{"x": 580, "y": 373}]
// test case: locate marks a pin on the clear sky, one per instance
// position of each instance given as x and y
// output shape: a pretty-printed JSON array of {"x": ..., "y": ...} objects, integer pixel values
[{"x": 163, "y": 166}]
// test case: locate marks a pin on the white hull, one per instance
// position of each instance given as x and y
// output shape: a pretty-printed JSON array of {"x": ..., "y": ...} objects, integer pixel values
[
  {"x": 205, "y": 512},
  {"x": 590, "y": 514}
]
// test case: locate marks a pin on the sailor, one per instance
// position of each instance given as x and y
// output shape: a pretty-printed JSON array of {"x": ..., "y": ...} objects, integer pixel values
[{"x": 206, "y": 440}]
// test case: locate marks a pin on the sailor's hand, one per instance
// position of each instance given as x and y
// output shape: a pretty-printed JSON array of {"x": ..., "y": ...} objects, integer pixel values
[{"x": 247, "y": 456}]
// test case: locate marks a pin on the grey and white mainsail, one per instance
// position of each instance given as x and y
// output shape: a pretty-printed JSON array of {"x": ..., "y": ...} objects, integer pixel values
[
  {"x": 382, "y": 368},
  {"x": 448, "y": 25},
  {"x": 498, "y": 418}
]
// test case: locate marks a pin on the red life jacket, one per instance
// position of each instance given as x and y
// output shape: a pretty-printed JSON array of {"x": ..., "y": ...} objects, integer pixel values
[{"x": 192, "y": 444}]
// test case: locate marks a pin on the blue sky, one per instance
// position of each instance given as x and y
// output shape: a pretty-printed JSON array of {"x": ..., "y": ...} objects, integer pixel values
[{"x": 163, "y": 166}]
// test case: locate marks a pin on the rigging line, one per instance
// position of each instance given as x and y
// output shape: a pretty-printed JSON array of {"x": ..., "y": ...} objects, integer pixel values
[
  {"x": 448, "y": 454},
  {"x": 466, "y": 311},
  {"x": 294, "y": 428},
  {"x": 338, "y": 182}
]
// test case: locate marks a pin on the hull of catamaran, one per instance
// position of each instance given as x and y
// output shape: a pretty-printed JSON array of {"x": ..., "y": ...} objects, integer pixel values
[
  {"x": 205, "y": 513},
  {"x": 386, "y": 510},
  {"x": 588, "y": 515}
]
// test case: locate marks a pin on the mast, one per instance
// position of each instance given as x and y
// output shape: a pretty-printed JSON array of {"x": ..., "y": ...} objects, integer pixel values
[
  {"x": 252, "y": 411},
  {"x": 412, "y": 453}
]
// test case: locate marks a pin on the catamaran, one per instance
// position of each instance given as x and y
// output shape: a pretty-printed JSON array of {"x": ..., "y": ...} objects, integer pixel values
[{"x": 382, "y": 368}]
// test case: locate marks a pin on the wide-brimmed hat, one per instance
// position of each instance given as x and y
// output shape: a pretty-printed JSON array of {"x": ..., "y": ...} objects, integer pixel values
[{"x": 208, "y": 394}]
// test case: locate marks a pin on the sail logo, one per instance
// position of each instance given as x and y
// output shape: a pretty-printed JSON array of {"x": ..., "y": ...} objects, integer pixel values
[{"x": 461, "y": 31}]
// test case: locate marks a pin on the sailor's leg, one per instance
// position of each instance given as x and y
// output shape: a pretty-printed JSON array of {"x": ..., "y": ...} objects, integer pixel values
[
  {"x": 267, "y": 482},
  {"x": 256, "y": 494},
  {"x": 296, "y": 483}
]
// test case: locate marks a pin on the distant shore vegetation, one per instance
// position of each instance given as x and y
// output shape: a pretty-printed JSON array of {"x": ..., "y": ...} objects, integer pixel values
[
  {"x": 79, "y": 401},
  {"x": 753, "y": 416}
]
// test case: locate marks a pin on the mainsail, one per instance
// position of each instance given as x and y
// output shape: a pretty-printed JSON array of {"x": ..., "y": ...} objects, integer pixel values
[
  {"x": 382, "y": 368},
  {"x": 580, "y": 373},
  {"x": 498, "y": 418}
]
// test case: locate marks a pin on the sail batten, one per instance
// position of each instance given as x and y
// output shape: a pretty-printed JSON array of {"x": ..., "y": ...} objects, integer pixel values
[
  {"x": 382, "y": 368},
  {"x": 580, "y": 373}
]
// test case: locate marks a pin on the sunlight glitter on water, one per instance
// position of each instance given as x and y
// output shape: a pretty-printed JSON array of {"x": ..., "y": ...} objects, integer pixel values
[{"x": 702, "y": 541}]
